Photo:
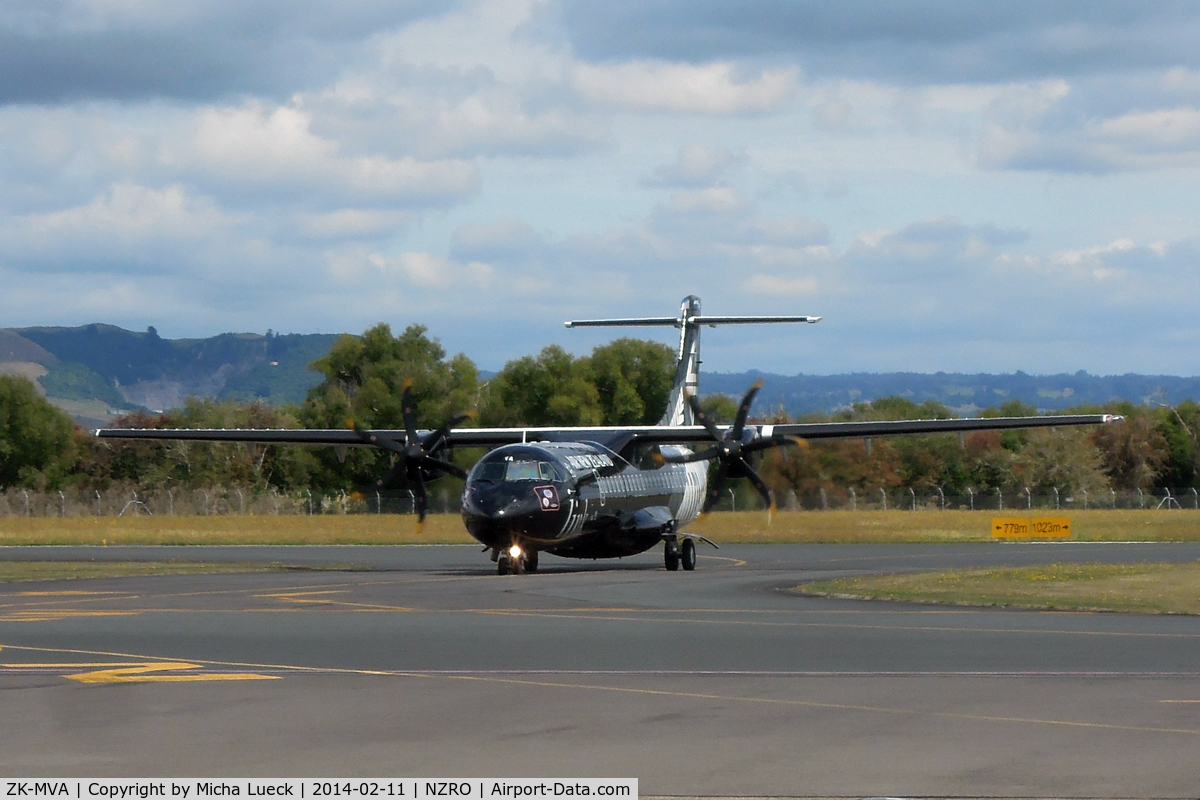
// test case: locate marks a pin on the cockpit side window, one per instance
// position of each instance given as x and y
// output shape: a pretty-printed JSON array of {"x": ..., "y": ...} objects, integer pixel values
[{"x": 491, "y": 471}]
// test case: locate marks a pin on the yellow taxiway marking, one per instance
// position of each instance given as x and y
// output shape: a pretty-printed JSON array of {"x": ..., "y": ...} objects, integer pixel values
[
  {"x": 63, "y": 594},
  {"x": 52, "y": 614},
  {"x": 1179, "y": 701},
  {"x": 889, "y": 710},
  {"x": 306, "y": 598},
  {"x": 149, "y": 673},
  {"x": 560, "y": 613},
  {"x": 136, "y": 671},
  {"x": 816, "y": 704}
]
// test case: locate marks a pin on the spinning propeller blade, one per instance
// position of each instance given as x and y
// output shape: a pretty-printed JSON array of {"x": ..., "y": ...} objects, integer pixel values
[
  {"x": 730, "y": 450},
  {"x": 416, "y": 462}
]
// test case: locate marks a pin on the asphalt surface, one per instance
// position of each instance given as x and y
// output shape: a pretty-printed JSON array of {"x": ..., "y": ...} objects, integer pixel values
[{"x": 421, "y": 661}]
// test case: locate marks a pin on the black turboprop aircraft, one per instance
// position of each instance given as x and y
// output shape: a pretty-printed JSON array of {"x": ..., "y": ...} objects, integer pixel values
[{"x": 602, "y": 492}]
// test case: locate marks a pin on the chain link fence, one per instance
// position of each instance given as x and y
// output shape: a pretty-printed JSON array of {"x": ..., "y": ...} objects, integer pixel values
[{"x": 213, "y": 501}]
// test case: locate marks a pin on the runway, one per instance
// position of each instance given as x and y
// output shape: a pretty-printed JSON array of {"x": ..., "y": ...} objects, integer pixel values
[{"x": 414, "y": 661}]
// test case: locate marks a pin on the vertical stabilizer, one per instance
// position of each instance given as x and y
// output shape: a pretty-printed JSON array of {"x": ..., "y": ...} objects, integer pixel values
[{"x": 687, "y": 360}]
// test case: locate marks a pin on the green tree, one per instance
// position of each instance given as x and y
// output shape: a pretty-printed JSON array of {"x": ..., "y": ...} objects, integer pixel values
[
  {"x": 552, "y": 389},
  {"x": 1132, "y": 452},
  {"x": 37, "y": 442},
  {"x": 633, "y": 380},
  {"x": 1061, "y": 458},
  {"x": 365, "y": 377},
  {"x": 145, "y": 464},
  {"x": 721, "y": 408},
  {"x": 1180, "y": 426}
]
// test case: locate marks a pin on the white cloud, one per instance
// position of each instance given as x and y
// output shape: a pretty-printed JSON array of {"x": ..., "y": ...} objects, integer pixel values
[
  {"x": 695, "y": 165},
  {"x": 715, "y": 199},
  {"x": 780, "y": 286},
  {"x": 418, "y": 269},
  {"x": 252, "y": 145},
  {"x": 120, "y": 223},
  {"x": 352, "y": 223},
  {"x": 712, "y": 88}
]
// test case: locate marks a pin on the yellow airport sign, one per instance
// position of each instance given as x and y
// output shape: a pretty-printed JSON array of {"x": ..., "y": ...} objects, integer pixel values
[
  {"x": 1036, "y": 528},
  {"x": 1010, "y": 528},
  {"x": 1051, "y": 527}
]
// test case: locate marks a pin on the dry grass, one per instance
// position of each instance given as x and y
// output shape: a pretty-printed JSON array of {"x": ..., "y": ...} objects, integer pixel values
[
  {"x": 938, "y": 526},
  {"x": 323, "y": 529},
  {"x": 740, "y": 527},
  {"x": 1144, "y": 588}
]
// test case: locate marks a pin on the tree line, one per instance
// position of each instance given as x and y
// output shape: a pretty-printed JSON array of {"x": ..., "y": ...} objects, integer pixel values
[{"x": 625, "y": 382}]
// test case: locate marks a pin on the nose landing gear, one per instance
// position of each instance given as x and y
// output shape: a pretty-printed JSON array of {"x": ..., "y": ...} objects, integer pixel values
[{"x": 516, "y": 560}]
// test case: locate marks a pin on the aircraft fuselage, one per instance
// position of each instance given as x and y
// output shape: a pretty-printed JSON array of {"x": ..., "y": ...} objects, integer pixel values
[{"x": 578, "y": 500}]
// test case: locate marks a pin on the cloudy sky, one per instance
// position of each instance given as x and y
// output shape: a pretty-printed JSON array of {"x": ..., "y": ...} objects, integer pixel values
[{"x": 953, "y": 186}]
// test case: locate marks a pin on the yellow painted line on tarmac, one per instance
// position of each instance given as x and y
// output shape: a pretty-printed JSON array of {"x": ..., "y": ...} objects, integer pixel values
[
  {"x": 775, "y": 701},
  {"x": 305, "y": 598},
  {"x": 557, "y": 613},
  {"x": 135, "y": 671},
  {"x": 53, "y": 614},
  {"x": 63, "y": 594},
  {"x": 151, "y": 673},
  {"x": 737, "y": 562},
  {"x": 1179, "y": 701}
]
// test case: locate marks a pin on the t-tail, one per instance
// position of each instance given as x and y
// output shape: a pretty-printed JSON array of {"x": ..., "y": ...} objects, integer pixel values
[{"x": 687, "y": 363}]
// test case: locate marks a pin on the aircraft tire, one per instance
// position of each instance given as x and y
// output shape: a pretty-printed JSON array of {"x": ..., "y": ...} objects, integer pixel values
[
  {"x": 531, "y": 561},
  {"x": 688, "y": 555},
  {"x": 502, "y": 566},
  {"x": 671, "y": 557}
]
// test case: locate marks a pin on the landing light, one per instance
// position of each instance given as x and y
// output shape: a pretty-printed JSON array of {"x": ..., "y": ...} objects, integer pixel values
[{"x": 514, "y": 551}]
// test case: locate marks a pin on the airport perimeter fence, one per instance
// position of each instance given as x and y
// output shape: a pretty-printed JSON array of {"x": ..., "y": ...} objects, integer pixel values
[
  {"x": 240, "y": 500},
  {"x": 215, "y": 501}
]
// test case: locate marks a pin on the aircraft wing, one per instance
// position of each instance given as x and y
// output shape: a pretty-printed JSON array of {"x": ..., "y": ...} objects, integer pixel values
[
  {"x": 614, "y": 437},
  {"x": 844, "y": 430}
]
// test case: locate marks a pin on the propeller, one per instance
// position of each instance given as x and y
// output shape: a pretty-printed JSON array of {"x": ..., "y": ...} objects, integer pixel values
[
  {"x": 730, "y": 450},
  {"x": 416, "y": 463}
]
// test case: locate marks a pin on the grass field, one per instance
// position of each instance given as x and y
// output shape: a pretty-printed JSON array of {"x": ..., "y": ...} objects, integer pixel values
[
  {"x": 740, "y": 527},
  {"x": 1145, "y": 588}
]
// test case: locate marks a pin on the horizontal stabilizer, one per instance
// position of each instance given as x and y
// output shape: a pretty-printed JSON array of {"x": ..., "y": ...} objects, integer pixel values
[
  {"x": 714, "y": 321},
  {"x": 677, "y": 321},
  {"x": 606, "y": 323}
]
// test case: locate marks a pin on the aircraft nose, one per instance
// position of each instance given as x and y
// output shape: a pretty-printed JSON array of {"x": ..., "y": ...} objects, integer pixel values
[{"x": 499, "y": 502}]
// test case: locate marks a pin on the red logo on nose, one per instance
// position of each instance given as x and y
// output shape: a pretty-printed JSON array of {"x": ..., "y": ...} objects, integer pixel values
[{"x": 547, "y": 497}]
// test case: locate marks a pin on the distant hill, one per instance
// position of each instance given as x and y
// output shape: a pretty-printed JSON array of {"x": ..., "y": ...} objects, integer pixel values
[
  {"x": 96, "y": 371},
  {"x": 965, "y": 394}
]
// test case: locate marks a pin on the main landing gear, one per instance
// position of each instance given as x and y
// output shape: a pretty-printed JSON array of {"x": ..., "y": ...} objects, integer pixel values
[
  {"x": 676, "y": 553},
  {"x": 516, "y": 560},
  {"x": 680, "y": 549}
]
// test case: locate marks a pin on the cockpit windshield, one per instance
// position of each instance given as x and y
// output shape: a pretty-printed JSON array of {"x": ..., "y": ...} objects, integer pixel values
[
  {"x": 517, "y": 471},
  {"x": 522, "y": 471}
]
